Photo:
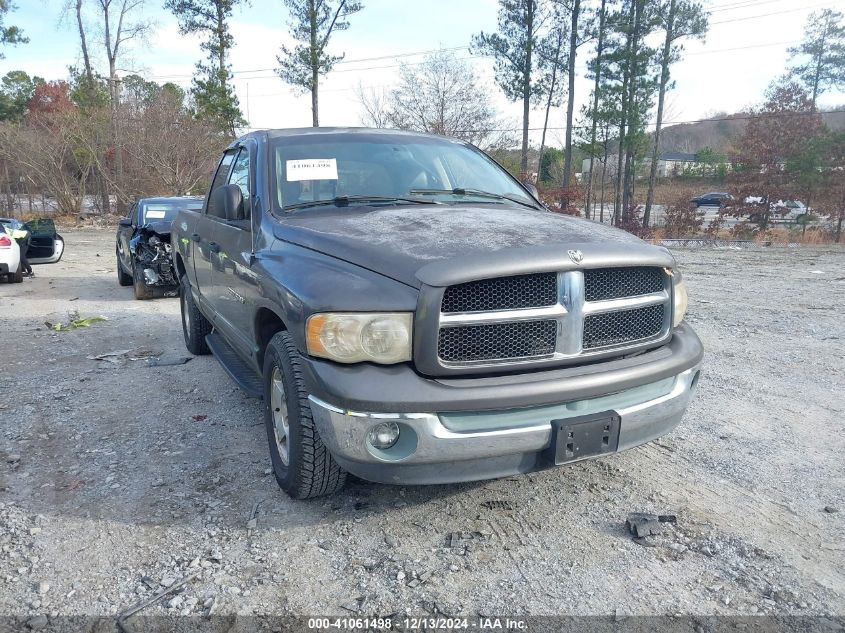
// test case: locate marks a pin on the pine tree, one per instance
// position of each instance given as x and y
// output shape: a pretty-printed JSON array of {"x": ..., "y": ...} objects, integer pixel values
[
  {"x": 679, "y": 19},
  {"x": 513, "y": 48},
  {"x": 312, "y": 24},
  {"x": 214, "y": 97},
  {"x": 9, "y": 35},
  {"x": 823, "y": 50}
]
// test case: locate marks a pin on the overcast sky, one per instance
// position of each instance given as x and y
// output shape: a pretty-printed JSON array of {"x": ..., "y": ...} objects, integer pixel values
[{"x": 744, "y": 50}]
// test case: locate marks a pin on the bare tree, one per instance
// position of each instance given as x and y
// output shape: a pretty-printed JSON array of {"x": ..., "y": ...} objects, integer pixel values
[
  {"x": 48, "y": 151},
  {"x": 442, "y": 95},
  {"x": 374, "y": 101},
  {"x": 118, "y": 25}
]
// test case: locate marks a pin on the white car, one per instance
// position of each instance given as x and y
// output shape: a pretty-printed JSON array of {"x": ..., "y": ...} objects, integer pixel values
[
  {"x": 10, "y": 258},
  {"x": 46, "y": 246}
]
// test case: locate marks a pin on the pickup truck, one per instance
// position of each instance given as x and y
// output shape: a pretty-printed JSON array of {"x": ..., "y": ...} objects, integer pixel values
[{"x": 410, "y": 313}]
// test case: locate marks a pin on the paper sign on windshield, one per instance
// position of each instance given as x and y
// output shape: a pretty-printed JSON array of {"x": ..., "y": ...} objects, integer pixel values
[
  {"x": 155, "y": 214},
  {"x": 312, "y": 169}
]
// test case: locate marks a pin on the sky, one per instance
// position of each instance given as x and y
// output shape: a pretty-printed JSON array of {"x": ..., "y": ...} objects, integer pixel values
[{"x": 745, "y": 49}]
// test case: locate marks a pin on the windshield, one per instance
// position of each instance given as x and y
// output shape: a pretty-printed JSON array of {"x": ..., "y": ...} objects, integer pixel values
[
  {"x": 166, "y": 211},
  {"x": 381, "y": 169}
]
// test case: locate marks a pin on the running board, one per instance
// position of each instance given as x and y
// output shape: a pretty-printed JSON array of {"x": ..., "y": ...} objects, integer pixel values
[{"x": 239, "y": 371}]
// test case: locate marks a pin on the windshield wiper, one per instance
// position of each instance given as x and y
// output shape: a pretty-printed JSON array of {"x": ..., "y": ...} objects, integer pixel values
[
  {"x": 461, "y": 191},
  {"x": 343, "y": 201}
]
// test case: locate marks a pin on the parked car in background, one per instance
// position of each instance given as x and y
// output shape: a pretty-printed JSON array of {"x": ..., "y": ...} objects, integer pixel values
[
  {"x": 143, "y": 245},
  {"x": 46, "y": 246},
  {"x": 10, "y": 254},
  {"x": 410, "y": 313},
  {"x": 712, "y": 199}
]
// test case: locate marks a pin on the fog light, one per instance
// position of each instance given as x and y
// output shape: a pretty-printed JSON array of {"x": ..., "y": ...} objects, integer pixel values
[{"x": 383, "y": 435}]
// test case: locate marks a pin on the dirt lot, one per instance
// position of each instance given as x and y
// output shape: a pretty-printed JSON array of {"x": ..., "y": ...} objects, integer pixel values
[{"x": 118, "y": 478}]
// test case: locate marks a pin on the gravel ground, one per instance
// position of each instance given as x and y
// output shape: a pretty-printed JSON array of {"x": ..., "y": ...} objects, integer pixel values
[{"x": 118, "y": 479}]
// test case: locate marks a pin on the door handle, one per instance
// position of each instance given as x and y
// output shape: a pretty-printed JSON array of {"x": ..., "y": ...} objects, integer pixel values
[
  {"x": 214, "y": 247},
  {"x": 196, "y": 237}
]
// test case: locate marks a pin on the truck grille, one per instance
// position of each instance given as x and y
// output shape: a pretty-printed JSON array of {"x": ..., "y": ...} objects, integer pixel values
[
  {"x": 617, "y": 328},
  {"x": 601, "y": 284},
  {"x": 502, "y": 293},
  {"x": 498, "y": 341},
  {"x": 551, "y": 317}
]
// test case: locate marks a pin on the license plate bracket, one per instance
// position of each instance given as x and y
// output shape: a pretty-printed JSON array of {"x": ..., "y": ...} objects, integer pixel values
[{"x": 585, "y": 436}]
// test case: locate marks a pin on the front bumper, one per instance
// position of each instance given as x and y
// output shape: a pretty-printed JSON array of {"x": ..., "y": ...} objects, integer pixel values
[{"x": 451, "y": 445}]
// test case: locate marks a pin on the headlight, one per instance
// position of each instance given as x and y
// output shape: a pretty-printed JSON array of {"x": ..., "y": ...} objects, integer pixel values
[
  {"x": 353, "y": 338},
  {"x": 679, "y": 299}
]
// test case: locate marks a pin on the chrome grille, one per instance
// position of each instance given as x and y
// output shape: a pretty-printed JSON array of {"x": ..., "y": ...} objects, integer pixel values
[
  {"x": 625, "y": 327},
  {"x": 502, "y": 293},
  {"x": 601, "y": 284},
  {"x": 497, "y": 341},
  {"x": 549, "y": 317}
]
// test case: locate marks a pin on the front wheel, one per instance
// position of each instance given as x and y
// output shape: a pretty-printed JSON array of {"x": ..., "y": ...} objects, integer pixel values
[
  {"x": 142, "y": 290},
  {"x": 303, "y": 466},
  {"x": 195, "y": 326}
]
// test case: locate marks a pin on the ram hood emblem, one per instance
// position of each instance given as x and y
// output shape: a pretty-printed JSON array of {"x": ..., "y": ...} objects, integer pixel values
[{"x": 576, "y": 256}]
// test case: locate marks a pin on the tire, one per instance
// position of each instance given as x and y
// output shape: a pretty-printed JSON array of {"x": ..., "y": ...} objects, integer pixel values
[
  {"x": 142, "y": 290},
  {"x": 195, "y": 327},
  {"x": 16, "y": 277},
  {"x": 122, "y": 278},
  {"x": 303, "y": 466}
]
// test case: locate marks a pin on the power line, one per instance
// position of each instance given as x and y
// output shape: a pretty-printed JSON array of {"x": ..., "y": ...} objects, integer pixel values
[
  {"x": 765, "y": 15},
  {"x": 741, "y": 48},
  {"x": 746, "y": 117},
  {"x": 740, "y": 5},
  {"x": 343, "y": 61}
]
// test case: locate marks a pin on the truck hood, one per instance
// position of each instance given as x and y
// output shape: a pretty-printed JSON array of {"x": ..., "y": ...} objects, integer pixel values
[{"x": 443, "y": 245}]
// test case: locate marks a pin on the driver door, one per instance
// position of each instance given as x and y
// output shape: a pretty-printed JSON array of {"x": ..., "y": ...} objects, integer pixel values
[{"x": 46, "y": 246}]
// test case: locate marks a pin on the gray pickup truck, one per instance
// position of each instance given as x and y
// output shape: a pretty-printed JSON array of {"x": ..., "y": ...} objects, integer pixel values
[{"x": 411, "y": 313}]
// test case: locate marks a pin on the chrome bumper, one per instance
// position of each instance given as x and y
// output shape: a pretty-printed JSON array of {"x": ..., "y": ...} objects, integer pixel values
[{"x": 446, "y": 447}]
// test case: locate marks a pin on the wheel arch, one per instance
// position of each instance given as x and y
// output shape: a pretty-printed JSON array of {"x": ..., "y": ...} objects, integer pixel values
[
  {"x": 180, "y": 266},
  {"x": 267, "y": 324}
]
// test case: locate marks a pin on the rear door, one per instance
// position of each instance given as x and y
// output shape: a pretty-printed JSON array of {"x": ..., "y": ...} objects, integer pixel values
[
  {"x": 233, "y": 282},
  {"x": 46, "y": 246},
  {"x": 204, "y": 250}
]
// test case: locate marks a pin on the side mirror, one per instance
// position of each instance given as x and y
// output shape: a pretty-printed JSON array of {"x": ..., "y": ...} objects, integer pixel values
[
  {"x": 226, "y": 202},
  {"x": 532, "y": 189},
  {"x": 125, "y": 222}
]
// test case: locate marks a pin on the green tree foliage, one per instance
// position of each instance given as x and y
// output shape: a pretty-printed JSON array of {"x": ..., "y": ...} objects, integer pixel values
[
  {"x": 820, "y": 58},
  {"x": 88, "y": 93},
  {"x": 551, "y": 163},
  {"x": 513, "y": 49},
  {"x": 9, "y": 35},
  {"x": 214, "y": 97},
  {"x": 630, "y": 81},
  {"x": 312, "y": 24},
  {"x": 16, "y": 89}
]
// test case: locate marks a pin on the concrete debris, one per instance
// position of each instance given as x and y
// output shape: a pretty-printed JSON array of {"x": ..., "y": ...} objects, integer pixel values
[{"x": 642, "y": 524}]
